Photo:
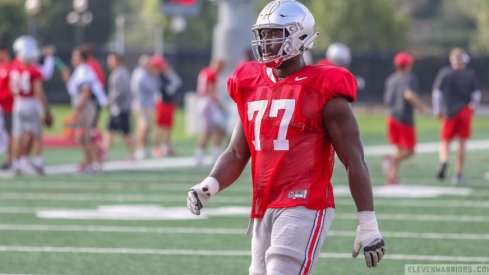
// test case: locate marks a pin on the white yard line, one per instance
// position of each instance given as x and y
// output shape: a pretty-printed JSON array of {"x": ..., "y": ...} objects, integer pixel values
[
  {"x": 425, "y": 217},
  {"x": 159, "y": 213},
  {"x": 110, "y": 197},
  {"x": 223, "y": 231},
  {"x": 224, "y": 253},
  {"x": 340, "y": 191},
  {"x": 422, "y": 203}
]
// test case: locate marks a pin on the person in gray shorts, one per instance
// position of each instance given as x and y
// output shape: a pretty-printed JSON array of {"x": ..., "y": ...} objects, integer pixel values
[
  {"x": 81, "y": 86},
  {"x": 29, "y": 106},
  {"x": 293, "y": 118},
  {"x": 144, "y": 85}
]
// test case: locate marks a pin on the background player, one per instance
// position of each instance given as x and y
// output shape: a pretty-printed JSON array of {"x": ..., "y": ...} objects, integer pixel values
[
  {"x": 6, "y": 100},
  {"x": 211, "y": 111},
  {"x": 26, "y": 86},
  {"x": 292, "y": 120},
  {"x": 456, "y": 94},
  {"x": 401, "y": 97}
]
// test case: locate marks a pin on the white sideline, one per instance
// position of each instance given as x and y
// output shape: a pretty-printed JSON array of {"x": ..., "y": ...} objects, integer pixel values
[
  {"x": 340, "y": 191},
  {"x": 229, "y": 253},
  {"x": 223, "y": 231},
  {"x": 423, "y": 148},
  {"x": 158, "y": 213},
  {"x": 187, "y": 162}
]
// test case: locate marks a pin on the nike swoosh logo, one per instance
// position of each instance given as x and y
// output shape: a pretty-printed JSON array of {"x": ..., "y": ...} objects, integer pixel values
[{"x": 300, "y": 78}]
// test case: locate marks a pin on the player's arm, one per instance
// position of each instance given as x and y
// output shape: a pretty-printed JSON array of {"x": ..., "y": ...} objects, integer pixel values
[
  {"x": 226, "y": 170},
  {"x": 343, "y": 131},
  {"x": 416, "y": 101},
  {"x": 39, "y": 93}
]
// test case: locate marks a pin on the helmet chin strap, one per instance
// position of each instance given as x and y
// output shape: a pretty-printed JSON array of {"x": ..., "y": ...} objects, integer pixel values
[{"x": 275, "y": 63}]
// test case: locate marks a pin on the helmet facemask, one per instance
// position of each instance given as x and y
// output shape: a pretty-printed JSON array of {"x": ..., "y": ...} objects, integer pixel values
[
  {"x": 297, "y": 28},
  {"x": 288, "y": 49}
]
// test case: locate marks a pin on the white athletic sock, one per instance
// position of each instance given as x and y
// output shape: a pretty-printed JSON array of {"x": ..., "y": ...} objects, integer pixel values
[
  {"x": 15, "y": 164},
  {"x": 199, "y": 156},
  {"x": 140, "y": 154},
  {"x": 38, "y": 161}
]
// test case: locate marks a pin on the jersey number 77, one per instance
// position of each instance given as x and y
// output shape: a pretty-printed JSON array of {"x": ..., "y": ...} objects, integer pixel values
[{"x": 260, "y": 106}]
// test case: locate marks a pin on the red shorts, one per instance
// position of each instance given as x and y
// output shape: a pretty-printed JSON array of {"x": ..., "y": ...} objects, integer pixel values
[
  {"x": 164, "y": 114},
  {"x": 458, "y": 125},
  {"x": 400, "y": 134}
]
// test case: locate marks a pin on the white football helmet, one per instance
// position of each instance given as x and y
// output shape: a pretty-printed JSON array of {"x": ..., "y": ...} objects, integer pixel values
[
  {"x": 297, "y": 24},
  {"x": 339, "y": 54},
  {"x": 26, "y": 49}
]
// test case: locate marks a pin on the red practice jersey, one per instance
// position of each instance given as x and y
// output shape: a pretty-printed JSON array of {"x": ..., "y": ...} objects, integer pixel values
[
  {"x": 325, "y": 61},
  {"x": 6, "y": 98},
  {"x": 206, "y": 76},
  {"x": 292, "y": 157},
  {"x": 22, "y": 77},
  {"x": 97, "y": 68}
]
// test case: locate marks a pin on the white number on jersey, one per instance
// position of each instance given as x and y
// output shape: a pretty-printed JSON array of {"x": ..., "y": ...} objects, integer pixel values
[
  {"x": 20, "y": 83},
  {"x": 260, "y": 106}
]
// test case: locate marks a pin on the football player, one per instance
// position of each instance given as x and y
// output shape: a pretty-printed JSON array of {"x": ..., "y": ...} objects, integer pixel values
[
  {"x": 86, "y": 92},
  {"x": 26, "y": 85},
  {"x": 6, "y": 101},
  {"x": 293, "y": 118},
  {"x": 401, "y": 97},
  {"x": 211, "y": 110},
  {"x": 456, "y": 94},
  {"x": 337, "y": 54}
]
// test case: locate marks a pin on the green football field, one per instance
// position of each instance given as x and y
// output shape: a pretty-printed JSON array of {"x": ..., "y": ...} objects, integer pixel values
[{"x": 135, "y": 221}]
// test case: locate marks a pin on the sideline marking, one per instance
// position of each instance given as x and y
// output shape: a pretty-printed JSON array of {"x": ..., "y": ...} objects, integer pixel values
[
  {"x": 156, "y": 212},
  {"x": 222, "y": 231},
  {"x": 423, "y": 148},
  {"x": 229, "y": 253},
  {"x": 187, "y": 162},
  {"x": 379, "y": 192}
]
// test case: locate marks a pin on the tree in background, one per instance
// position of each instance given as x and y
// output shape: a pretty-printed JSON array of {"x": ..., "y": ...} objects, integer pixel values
[
  {"x": 53, "y": 28},
  {"x": 363, "y": 25},
  {"x": 479, "y": 42},
  {"x": 12, "y": 20}
]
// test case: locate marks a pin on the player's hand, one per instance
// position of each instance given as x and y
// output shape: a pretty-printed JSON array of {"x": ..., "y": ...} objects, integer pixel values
[
  {"x": 369, "y": 237},
  {"x": 48, "y": 119},
  {"x": 200, "y": 194}
]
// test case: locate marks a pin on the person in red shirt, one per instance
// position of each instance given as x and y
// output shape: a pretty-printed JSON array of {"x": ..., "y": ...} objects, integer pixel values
[
  {"x": 6, "y": 99},
  {"x": 211, "y": 110},
  {"x": 293, "y": 118},
  {"x": 25, "y": 82},
  {"x": 166, "y": 104}
]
